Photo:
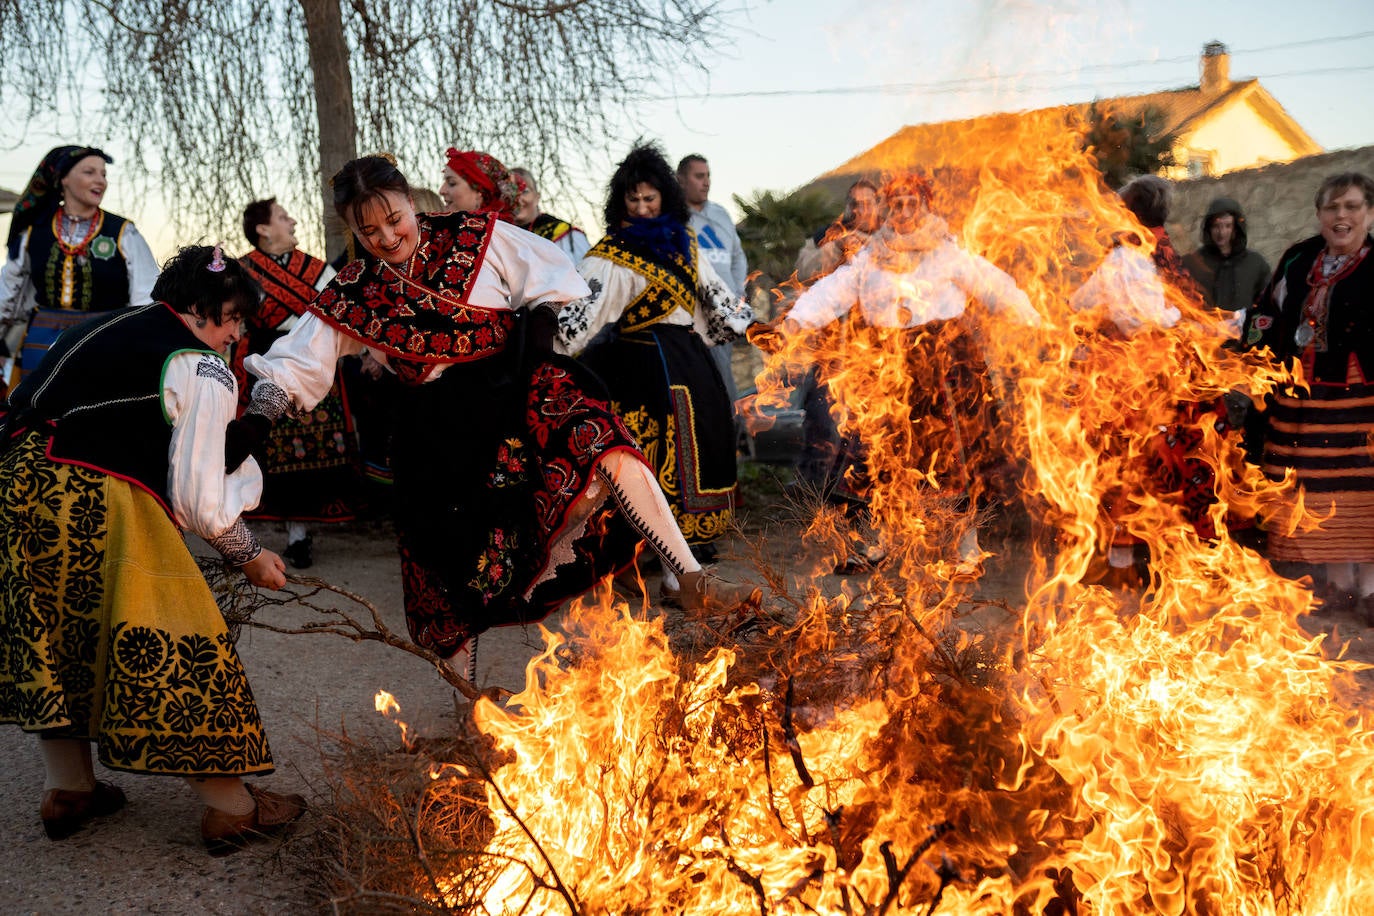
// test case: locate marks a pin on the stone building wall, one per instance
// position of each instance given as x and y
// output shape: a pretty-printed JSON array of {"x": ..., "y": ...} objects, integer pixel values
[{"x": 1277, "y": 200}]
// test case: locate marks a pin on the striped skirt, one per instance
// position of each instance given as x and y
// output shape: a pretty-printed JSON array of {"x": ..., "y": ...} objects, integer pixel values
[
  {"x": 44, "y": 329},
  {"x": 1325, "y": 438}
]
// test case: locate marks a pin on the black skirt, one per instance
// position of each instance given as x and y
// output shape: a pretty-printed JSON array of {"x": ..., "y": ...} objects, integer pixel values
[
  {"x": 492, "y": 464},
  {"x": 668, "y": 391}
]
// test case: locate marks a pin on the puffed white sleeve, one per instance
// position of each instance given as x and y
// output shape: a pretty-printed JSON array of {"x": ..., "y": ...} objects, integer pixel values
[
  {"x": 987, "y": 283},
  {"x": 610, "y": 288},
  {"x": 723, "y": 315},
  {"x": 535, "y": 270},
  {"x": 15, "y": 302},
  {"x": 200, "y": 397},
  {"x": 299, "y": 368},
  {"x": 1127, "y": 288},
  {"x": 830, "y": 297},
  {"x": 575, "y": 243},
  {"x": 143, "y": 269}
]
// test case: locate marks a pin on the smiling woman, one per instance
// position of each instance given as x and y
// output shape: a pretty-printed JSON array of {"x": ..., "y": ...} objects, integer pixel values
[
  {"x": 517, "y": 487},
  {"x": 1318, "y": 313},
  {"x": 108, "y": 631},
  {"x": 68, "y": 258}
]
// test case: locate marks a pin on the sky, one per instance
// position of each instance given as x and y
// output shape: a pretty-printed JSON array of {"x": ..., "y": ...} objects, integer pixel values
[{"x": 803, "y": 85}]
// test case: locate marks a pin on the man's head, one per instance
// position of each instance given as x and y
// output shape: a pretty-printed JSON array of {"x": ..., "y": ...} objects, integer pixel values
[
  {"x": 268, "y": 226},
  {"x": 694, "y": 174},
  {"x": 861, "y": 210},
  {"x": 1222, "y": 232},
  {"x": 527, "y": 203},
  {"x": 906, "y": 200}
]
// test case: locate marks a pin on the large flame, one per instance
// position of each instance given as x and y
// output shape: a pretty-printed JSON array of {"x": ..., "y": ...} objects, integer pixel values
[{"x": 1179, "y": 749}]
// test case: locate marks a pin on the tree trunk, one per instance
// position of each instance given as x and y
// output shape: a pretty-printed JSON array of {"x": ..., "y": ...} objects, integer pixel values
[{"x": 333, "y": 105}]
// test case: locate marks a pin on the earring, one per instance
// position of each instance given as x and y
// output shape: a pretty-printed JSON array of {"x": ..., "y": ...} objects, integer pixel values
[{"x": 200, "y": 322}]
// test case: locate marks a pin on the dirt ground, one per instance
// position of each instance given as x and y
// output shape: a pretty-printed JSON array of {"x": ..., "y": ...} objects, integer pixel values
[{"x": 148, "y": 858}]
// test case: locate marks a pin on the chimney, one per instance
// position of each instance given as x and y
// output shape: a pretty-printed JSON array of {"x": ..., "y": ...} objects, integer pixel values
[{"x": 1216, "y": 68}]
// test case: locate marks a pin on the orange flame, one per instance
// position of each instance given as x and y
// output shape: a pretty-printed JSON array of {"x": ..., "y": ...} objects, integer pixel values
[{"x": 1178, "y": 750}]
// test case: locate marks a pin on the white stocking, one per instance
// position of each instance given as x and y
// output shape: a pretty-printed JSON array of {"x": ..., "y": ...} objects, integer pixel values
[
  {"x": 67, "y": 764},
  {"x": 1364, "y": 573},
  {"x": 227, "y": 793},
  {"x": 642, "y": 503},
  {"x": 1341, "y": 576}
]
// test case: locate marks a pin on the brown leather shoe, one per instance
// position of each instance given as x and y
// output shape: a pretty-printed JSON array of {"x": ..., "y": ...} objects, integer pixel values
[
  {"x": 272, "y": 813},
  {"x": 65, "y": 811},
  {"x": 702, "y": 593}
]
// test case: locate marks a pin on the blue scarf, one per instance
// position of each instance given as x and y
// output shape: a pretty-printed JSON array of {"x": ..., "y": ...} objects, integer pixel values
[{"x": 663, "y": 236}]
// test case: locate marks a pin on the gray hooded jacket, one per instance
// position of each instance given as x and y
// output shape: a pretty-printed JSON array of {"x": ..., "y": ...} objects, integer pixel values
[{"x": 1231, "y": 282}]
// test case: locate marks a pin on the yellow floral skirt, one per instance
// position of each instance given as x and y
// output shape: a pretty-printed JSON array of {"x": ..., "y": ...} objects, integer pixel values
[{"x": 108, "y": 630}]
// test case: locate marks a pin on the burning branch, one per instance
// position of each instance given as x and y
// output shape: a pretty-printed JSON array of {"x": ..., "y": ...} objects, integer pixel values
[{"x": 897, "y": 876}]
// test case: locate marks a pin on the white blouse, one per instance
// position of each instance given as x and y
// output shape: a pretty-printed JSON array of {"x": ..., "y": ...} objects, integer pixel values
[
  {"x": 896, "y": 288},
  {"x": 520, "y": 270},
  {"x": 200, "y": 397},
  {"x": 720, "y": 316},
  {"x": 1126, "y": 286},
  {"x": 17, "y": 297}
]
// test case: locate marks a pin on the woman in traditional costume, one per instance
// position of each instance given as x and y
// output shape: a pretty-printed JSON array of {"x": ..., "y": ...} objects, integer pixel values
[
  {"x": 664, "y": 305},
  {"x": 517, "y": 488},
  {"x": 1317, "y": 312},
  {"x": 911, "y": 279},
  {"x": 69, "y": 259},
  {"x": 310, "y": 461},
  {"x": 1127, "y": 301},
  {"x": 108, "y": 632},
  {"x": 477, "y": 182}
]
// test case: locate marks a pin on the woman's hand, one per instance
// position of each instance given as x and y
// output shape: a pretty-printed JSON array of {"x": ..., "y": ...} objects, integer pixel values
[
  {"x": 764, "y": 336},
  {"x": 266, "y": 570}
]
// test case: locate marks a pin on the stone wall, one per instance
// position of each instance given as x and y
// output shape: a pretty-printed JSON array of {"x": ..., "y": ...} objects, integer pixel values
[{"x": 1277, "y": 199}]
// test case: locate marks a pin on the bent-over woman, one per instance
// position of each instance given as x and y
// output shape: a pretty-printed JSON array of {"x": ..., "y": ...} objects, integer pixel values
[{"x": 108, "y": 632}]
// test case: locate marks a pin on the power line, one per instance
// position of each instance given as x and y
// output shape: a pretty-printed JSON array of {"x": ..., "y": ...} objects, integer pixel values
[{"x": 964, "y": 83}]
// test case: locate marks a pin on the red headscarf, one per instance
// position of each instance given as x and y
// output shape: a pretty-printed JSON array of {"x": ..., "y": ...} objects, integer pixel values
[
  {"x": 907, "y": 184},
  {"x": 490, "y": 178}
]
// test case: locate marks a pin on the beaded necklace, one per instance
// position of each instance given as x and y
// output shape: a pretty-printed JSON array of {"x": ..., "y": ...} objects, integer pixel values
[
  {"x": 78, "y": 252},
  {"x": 75, "y": 249}
]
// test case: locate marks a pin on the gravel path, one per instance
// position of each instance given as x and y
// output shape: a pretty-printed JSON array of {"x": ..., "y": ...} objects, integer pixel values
[{"x": 149, "y": 859}]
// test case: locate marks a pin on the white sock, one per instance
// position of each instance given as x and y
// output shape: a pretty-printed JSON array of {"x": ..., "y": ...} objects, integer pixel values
[
  {"x": 1365, "y": 574},
  {"x": 67, "y": 764},
  {"x": 1341, "y": 575},
  {"x": 1120, "y": 557},
  {"x": 296, "y": 531},
  {"x": 969, "y": 549},
  {"x": 227, "y": 793}
]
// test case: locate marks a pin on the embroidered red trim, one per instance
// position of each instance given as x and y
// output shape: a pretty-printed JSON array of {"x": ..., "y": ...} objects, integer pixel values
[{"x": 422, "y": 315}]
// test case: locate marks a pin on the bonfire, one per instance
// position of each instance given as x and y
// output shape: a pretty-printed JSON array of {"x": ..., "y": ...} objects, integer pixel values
[{"x": 1177, "y": 747}]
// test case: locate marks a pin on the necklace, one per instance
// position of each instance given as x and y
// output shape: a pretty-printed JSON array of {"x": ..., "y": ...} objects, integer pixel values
[{"x": 78, "y": 250}]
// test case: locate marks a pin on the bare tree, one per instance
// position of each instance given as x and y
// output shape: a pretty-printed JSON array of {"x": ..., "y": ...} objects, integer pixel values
[{"x": 219, "y": 99}]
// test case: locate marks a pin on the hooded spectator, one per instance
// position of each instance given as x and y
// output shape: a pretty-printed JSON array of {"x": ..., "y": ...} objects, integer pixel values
[{"x": 1230, "y": 275}]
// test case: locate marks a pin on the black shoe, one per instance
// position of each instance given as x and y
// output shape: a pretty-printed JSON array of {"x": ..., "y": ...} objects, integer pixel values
[
  {"x": 298, "y": 553},
  {"x": 853, "y": 565}
]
